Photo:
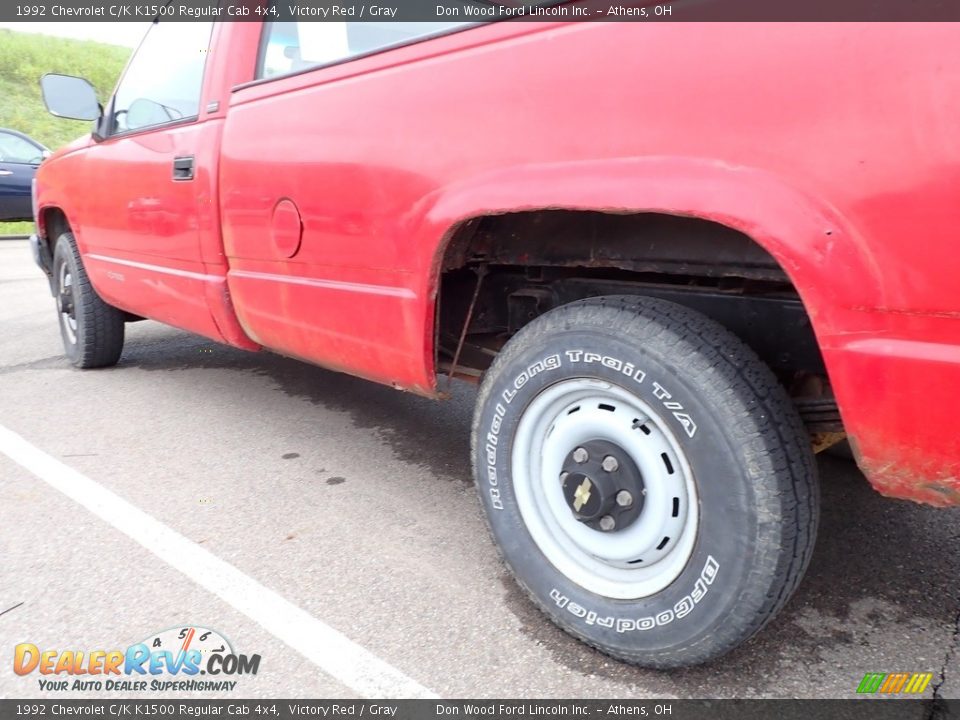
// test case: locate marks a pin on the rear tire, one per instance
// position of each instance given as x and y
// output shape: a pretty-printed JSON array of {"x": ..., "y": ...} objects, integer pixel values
[
  {"x": 647, "y": 480},
  {"x": 92, "y": 331}
]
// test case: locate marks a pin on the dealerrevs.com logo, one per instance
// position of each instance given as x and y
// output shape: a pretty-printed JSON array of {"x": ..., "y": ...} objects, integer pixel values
[{"x": 183, "y": 659}]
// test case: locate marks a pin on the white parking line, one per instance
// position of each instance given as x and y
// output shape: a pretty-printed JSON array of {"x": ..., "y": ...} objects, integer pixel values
[{"x": 330, "y": 650}]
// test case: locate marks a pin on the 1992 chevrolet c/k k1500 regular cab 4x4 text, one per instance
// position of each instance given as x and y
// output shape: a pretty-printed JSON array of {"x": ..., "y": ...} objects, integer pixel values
[{"x": 679, "y": 259}]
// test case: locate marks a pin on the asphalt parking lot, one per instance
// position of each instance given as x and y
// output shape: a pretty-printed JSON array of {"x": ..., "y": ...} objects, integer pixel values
[{"x": 353, "y": 503}]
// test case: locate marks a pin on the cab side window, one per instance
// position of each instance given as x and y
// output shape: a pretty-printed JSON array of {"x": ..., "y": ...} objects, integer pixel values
[
  {"x": 163, "y": 82},
  {"x": 292, "y": 46}
]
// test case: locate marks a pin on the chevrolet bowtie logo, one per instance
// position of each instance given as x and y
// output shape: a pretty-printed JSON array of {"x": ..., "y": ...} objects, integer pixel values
[{"x": 582, "y": 494}]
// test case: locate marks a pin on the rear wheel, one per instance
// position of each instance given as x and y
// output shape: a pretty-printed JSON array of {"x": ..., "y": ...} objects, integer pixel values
[
  {"x": 647, "y": 480},
  {"x": 92, "y": 331}
]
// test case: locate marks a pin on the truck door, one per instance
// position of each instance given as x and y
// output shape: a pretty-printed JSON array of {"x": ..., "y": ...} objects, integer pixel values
[
  {"x": 141, "y": 222},
  {"x": 317, "y": 190}
]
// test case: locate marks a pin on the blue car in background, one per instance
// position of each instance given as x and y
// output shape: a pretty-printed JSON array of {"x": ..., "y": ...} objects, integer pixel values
[{"x": 19, "y": 157}]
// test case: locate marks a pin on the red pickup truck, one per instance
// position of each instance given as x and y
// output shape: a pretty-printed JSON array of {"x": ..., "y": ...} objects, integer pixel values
[{"x": 678, "y": 259}]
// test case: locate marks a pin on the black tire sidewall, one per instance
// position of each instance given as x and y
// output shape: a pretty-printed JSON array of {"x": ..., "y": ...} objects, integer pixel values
[
  {"x": 63, "y": 254},
  {"x": 696, "y": 608}
]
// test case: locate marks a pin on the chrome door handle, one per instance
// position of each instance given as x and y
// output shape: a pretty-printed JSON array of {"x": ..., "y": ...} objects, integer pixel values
[{"x": 6, "y": 172}]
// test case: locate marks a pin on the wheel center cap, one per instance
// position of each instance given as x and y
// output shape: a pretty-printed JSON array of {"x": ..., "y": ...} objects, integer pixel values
[
  {"x": 65, "y": 301},
  {"x": 602, "y": 485},
  {"x": 583, "y": 495}
]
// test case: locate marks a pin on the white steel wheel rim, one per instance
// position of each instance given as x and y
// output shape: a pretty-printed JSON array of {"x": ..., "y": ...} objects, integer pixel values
[
  {"x": 69, "y": 322},
  {"x": 639, "y": 560}
]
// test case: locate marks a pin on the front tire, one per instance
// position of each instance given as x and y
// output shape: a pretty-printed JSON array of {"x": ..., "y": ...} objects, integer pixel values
[
  {"x": 646, "y": 479},
  {"x": 92, "y": 331}
]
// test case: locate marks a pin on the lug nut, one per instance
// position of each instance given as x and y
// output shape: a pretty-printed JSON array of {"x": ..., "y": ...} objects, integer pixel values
[
  {"x": 624, "y": 498},
  {"x": 580, "y": 455},
  {"x": 607, "y": 523},
  {"x": 610, "y": 463},
  {"x": 563, "y": 476}
]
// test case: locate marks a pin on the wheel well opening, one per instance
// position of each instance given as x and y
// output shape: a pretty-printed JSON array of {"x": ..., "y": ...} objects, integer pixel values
[
  {"x": 499, "y": 273},
  {"x": 54, "y": 223}
]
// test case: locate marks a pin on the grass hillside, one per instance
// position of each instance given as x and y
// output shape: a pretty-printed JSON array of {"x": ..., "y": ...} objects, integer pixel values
[{"x": 23, "y": 59}]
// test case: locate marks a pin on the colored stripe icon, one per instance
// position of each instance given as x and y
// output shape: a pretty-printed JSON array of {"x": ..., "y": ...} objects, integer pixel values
[{"x": 893, "y": 683}]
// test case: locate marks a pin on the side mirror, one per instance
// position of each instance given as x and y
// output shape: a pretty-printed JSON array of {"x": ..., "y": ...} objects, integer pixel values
[
  {"x": 45, "y": 154},
  {"x": 69, "y": 97}
]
